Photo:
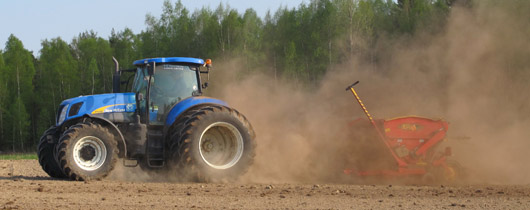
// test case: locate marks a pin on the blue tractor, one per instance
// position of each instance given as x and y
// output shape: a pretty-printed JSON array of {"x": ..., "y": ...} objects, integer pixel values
[{"x": 162, "y": 123}]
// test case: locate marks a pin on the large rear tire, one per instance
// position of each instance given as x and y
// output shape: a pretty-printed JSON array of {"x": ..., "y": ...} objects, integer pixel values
[
  {"x": 87, "y": 151},
  {"x": 212, "y": 143},
  {"x": 46, "y": 154}
]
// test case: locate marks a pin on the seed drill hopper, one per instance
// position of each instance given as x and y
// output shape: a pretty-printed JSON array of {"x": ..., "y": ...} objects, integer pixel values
[{"x": 410, "y": 144}]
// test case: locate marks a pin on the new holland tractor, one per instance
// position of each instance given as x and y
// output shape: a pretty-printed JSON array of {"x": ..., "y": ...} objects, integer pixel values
[{"x": 162, "y": 123}]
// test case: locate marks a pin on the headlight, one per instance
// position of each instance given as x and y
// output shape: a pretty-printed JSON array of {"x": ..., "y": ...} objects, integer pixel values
[{"x": 62, "y": 116}]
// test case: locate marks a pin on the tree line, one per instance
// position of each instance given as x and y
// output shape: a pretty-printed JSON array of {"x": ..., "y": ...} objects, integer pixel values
[{"x": 298, "y": 43}]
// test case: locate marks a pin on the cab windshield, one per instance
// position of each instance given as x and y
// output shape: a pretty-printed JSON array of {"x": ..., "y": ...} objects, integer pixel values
[{"x": 170, "y": 84}]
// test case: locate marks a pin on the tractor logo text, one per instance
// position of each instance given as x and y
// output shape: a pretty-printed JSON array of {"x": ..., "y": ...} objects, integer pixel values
[{"x": 114, "y": 108}]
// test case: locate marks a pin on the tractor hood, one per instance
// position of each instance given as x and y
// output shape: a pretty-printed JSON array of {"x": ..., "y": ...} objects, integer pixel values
[{"x": 96, "y": 105}]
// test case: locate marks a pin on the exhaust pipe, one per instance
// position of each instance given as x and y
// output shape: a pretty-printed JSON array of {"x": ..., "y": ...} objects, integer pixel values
[{"x": 116, "y": 77}]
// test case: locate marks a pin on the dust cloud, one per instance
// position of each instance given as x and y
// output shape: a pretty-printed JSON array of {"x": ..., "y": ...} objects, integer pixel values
[{"x": 473, "y": 74}]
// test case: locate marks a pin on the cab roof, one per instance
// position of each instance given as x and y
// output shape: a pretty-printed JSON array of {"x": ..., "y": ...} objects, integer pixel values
[{"x": 142, "y": 62}]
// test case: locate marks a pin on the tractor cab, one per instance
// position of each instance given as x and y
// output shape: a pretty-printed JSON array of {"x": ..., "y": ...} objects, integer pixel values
[{"x": 160, "y": 83}]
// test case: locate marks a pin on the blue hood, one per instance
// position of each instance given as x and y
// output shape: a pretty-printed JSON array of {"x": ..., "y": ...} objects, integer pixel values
[{"x": 98, "y": 104}]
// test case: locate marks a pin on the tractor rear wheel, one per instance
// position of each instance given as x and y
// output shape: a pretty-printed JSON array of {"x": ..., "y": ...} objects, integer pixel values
[
  {"x": 46, "y": 154},
  {"x": 212, "y": 143},
  {"x": 87, "y": 151}
]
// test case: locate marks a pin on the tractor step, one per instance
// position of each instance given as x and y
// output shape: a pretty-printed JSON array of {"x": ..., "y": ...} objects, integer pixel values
[
  {"x": 155, "y": 148},
  {"x": 156, "y": 162},
  {"x": 130, "y": 162}
]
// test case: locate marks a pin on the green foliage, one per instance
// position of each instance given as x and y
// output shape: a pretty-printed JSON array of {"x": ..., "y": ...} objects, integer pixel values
[
  {"x": 252, "y": 33},
  {"x": 3, "y": 98},
  {"x": 20, "y": 123},
  {"x": 125, "y": 45},
  {"x": 88, "y": 46},
  {"x": 169, "y": 35},
  {"x": 57, "y": 78},
  {"x": 19, "y": 69},
  {"x": 94, "y": 71},
  {"x": 19, "y": 74}
]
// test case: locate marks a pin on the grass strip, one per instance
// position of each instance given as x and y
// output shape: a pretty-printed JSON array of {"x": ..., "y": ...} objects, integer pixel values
[{"x": 19, "y": 156}]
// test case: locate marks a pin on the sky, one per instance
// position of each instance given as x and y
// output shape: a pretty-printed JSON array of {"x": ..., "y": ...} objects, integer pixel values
[{"x": 32, "y": 21}]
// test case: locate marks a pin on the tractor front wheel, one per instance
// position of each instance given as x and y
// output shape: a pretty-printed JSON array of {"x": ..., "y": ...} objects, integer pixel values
[
  {"x": 212, "y": 143},
  {"x": 46, "y": 154},
  {"x": 87, "y": 151}
]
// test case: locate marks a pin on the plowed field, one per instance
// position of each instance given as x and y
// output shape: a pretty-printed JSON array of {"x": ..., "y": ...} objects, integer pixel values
[{"x": 25, "y": 186}]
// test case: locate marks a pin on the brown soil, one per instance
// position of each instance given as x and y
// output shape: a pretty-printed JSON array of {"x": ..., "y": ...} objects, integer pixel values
[{"x": 25, "y": 186}]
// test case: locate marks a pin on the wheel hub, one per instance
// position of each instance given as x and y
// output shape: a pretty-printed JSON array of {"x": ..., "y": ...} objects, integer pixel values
[
  {"x": 221, "y": 145},
  {"x": 89, "y": 153},
  {"x": 207, "y": 146}
]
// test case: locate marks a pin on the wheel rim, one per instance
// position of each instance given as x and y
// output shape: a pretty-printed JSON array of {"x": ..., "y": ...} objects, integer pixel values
[
  {"x": 90, "y": 153},
  {"x": 221, "y": 145}
]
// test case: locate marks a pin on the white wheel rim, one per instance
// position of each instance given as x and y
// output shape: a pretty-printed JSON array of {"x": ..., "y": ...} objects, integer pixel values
[
  {"x": 90, "y": 153},
  {"x": 221, "y": 145}
]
